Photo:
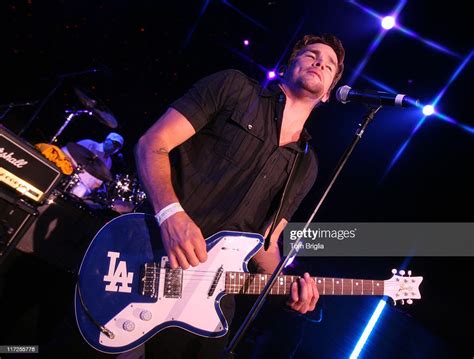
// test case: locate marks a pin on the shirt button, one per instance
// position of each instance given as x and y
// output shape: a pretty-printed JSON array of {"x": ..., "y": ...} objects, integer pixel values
[
  {"x": 249, "y": 127},
  {"x": 264, "y": 176}
]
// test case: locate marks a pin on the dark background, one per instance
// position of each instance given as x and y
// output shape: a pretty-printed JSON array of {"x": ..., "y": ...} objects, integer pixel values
[{"x": 148, "y": 53}]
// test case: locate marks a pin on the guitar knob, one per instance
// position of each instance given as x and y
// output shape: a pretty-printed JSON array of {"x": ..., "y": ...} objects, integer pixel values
[
  {"x": 409, "y": 301},
  {"x": 128, "y": 325},
  {"x": 145, "y": 315}
]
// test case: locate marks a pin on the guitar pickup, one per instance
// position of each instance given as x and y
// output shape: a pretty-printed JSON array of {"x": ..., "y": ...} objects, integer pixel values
[
  {"x": 173, "y": 287},
  {"x": 150, "y": 280},
  {"x": 215, "y": 281}
]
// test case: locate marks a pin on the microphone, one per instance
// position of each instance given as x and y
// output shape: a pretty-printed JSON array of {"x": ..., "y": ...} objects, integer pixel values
[{"x": 347, "y": 94}]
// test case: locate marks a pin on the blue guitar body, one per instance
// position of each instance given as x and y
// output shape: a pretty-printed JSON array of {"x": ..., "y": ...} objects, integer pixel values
[{"x": 131, "y": 293}]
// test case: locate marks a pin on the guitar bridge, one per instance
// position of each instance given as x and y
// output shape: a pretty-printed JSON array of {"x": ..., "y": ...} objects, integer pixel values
[{"x": 150, "y": 280}]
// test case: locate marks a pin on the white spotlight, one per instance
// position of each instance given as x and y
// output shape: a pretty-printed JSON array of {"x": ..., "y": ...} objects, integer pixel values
[
  {"x": 428, "y": 110},
  {"x": 388, "y": 22}
]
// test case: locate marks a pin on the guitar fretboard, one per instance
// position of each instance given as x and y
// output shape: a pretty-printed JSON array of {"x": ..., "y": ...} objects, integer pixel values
[{"x": 250, "y": 283}]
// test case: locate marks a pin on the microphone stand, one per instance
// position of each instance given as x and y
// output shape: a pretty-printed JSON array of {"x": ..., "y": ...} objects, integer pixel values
[
  {"x": 11, "y": 105},
  {"x": 68, "y": 120},
  {"x": 229, "y": 350}
]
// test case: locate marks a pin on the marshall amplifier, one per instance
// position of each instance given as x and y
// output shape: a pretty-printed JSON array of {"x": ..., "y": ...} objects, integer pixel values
[{"x": 24, "y": 169}]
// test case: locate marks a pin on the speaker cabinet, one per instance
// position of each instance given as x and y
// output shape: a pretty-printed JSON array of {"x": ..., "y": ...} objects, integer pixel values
[{"x": 16, "y": 216}]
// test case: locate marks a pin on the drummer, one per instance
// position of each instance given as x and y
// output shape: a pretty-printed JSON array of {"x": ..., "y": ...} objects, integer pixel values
[{"x": 103, "y": 150}]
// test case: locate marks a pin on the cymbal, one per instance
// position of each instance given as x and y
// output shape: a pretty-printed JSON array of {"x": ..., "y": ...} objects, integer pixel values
[
  {"x": 89, "y": 161},
  {"x": 97, "y": 107}
]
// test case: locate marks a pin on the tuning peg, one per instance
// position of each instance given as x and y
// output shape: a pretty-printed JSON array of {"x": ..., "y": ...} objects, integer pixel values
[
  {"x": 409, "y": 273},
  {"x": 402, "y": 272},
  {"x": 403, "y": 302},
  {"x": 409, "y": 301},
  {"x": 394, "y": 271}
]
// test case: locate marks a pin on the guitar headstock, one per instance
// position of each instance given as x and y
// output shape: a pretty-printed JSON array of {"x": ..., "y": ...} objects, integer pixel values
[{"x": 401, "y": 287}]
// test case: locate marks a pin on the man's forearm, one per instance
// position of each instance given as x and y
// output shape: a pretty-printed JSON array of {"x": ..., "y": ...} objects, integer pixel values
[
  {"x": 154, "y": 171},
  {"x": 152, "y": 156}
]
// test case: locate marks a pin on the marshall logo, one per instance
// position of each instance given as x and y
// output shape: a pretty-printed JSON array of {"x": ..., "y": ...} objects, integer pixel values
[{"x": 18, "y": 163}]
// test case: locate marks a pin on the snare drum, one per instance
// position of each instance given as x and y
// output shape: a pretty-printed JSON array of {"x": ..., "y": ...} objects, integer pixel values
[{"x": 124, "y": 194}]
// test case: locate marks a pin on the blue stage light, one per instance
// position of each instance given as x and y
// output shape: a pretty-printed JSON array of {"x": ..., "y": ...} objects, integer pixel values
[{"x": 368, "y": 329}]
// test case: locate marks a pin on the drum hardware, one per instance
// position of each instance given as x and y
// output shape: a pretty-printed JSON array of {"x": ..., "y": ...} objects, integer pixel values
[
  {"x": 69, "y": 118},
  {"x": 68, "y": 183},
  {"x": 59, "y": 81},
  {"x": 7, "y": 107},
  {"x": 93, "y": 107},
  {"x": 121, "y": 195},
  {"x": 124, "y": 194}
]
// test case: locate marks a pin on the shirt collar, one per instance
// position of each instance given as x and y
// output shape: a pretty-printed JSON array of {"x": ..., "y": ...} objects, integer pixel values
[
  {"x": 272, "y": 90},
  {"x": 302, "y": 144}
]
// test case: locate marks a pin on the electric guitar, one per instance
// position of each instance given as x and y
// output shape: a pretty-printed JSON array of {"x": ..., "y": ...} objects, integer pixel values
[{"x": 127, "y": 292}]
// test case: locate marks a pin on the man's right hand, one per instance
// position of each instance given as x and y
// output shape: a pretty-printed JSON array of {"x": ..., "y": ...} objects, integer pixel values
[{"x": 183, "y": 241}]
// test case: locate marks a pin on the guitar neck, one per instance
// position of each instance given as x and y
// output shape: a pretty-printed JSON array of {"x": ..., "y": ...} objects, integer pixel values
[{"x": 250, "y": 283}]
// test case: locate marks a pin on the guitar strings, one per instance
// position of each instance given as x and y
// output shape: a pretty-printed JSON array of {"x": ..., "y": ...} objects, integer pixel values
[{"x": 237, "y": 273}]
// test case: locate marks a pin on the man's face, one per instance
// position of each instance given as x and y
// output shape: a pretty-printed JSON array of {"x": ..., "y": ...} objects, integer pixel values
[
  {"x": 314, "y": 69},
  {"x": 111, "y": 147}
]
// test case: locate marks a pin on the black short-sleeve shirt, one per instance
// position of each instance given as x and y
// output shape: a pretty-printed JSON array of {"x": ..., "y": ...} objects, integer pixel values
[{"x": 230, "y": 175}]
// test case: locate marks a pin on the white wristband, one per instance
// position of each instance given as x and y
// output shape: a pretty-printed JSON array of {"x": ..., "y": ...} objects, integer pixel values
[{"x": 168, "y": 211}]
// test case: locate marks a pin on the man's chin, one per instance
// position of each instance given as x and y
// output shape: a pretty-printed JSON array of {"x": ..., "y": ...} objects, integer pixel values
[{"x": 314, "y": 90}]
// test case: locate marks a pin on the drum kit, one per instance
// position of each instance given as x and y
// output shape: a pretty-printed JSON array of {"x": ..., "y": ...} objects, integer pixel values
[
  {"x": 120, "y": 193},
  {"x": 72, "y": 204}
]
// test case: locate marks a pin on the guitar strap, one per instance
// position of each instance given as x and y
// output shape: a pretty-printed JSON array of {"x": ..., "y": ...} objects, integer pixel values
[{"x": 298, "y": 170}]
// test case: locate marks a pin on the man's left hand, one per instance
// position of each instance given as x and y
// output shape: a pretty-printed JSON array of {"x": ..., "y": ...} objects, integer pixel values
[{"x": 303, "y": 297}]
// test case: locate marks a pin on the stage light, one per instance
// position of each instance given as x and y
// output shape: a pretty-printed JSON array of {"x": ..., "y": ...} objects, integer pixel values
[
  {"x": 388, "y": 22},
  {"x": 368, "y": 330},
  {"x": 271, "y": 75},
  {"x": 246, "y": 42},
  {"x": 428, "y": 110},
  {"x": 290, "y": 261}
]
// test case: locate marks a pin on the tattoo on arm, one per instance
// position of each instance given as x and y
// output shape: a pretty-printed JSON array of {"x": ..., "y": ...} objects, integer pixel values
[{"x": 160, "y": 151}]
